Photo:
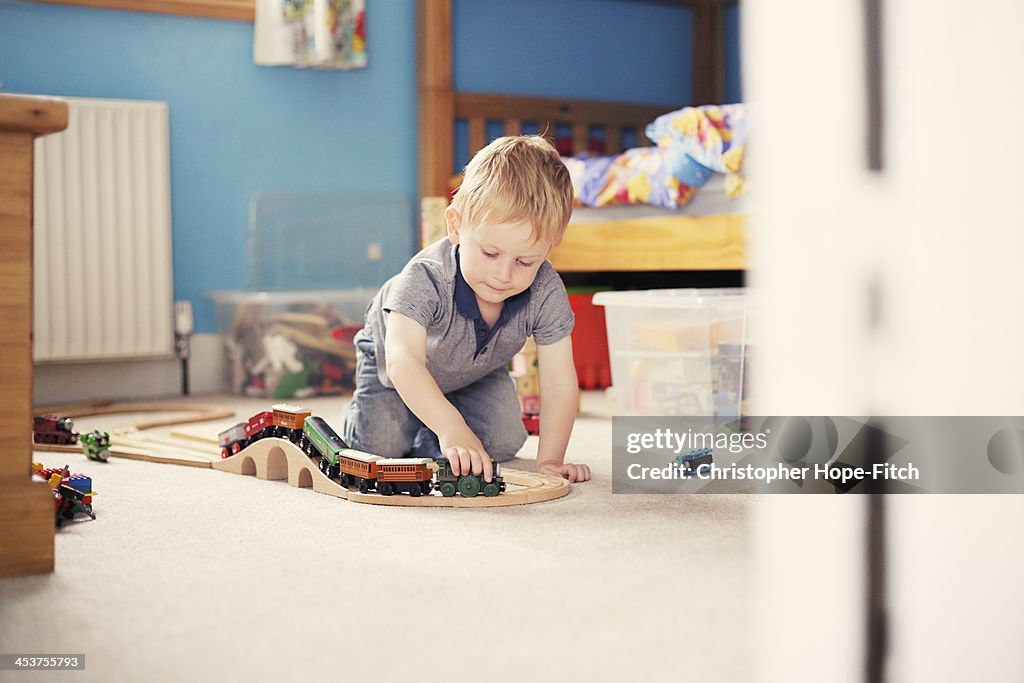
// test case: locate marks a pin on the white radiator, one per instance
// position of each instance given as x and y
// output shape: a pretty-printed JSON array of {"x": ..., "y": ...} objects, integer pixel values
[{"x": 102, "y": 229}]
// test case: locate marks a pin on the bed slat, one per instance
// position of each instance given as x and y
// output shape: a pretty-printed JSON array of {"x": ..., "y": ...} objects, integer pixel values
[
  {"x": 580, "y": 137},
  {"x": 549, "y": 112},
  {"x": 612, "y": 140},
  {"x": 477, "y": 134}
]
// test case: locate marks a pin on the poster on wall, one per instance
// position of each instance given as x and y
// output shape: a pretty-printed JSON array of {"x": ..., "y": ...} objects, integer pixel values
[{"x": 322, "y": 34}]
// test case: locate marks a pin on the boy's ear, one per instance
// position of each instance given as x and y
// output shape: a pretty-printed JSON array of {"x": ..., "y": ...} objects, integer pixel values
[{"x": 451, "y": 219}]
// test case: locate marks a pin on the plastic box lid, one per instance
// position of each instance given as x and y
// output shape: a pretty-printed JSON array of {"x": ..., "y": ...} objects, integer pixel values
[
  {"x": 288, "y": 298},
  {"x": 669, "y": 298}
]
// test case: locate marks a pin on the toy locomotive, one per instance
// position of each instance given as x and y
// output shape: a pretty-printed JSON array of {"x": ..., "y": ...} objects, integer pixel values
[
  {"x": 53, "y": 429},
  {"x": 695, "y": 462},
  {"x": 353, "y": 468},
  {"x": 96, "y": 445}
]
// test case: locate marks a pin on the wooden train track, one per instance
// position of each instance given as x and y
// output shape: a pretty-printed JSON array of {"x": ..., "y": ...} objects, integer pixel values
[
  {"x": 280, "y": 459},
  {"x": 131, "y": 441},
  {"x": 271, "y": 459}
]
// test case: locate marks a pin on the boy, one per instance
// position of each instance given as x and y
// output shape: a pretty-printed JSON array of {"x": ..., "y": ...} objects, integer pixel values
[{"x": 431, "y": 374}]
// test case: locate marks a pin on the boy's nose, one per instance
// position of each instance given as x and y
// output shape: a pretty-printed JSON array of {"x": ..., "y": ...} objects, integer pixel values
[{"x": 503, "y": 273}]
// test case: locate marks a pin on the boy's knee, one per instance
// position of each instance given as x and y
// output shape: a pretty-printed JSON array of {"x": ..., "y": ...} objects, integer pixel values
[
  {"x": 505, "y": 444},
  {"x": 377, "y": 436}
]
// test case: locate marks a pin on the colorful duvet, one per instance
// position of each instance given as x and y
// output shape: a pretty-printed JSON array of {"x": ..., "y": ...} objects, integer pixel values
[{"x": 692, "y": 144}]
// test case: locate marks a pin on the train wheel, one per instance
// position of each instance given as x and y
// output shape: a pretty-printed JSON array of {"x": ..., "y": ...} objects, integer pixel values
[
  {"x": 415, "y": 490},
  {"x": 235, "y": 447},
  {"x": 346, "y": 481},
  {"x": 363, "y": 488},
  {"x": 386, "y": 488},
  {"x": 225, "y": 453},
  {"x": 491, "y": 490},
  {"x": 447, "y": 489},
  {"x": 469, "y": 486}
]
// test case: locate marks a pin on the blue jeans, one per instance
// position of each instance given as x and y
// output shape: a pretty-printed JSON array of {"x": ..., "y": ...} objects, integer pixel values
[{"x": 377, "y": 420}]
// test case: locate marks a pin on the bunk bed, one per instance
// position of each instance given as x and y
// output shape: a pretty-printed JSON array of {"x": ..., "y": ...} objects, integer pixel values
[{"x": 703, "y": 237}]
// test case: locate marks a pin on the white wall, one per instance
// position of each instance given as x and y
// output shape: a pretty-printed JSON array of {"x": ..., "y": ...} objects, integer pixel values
[
  {"x": 939, "y": 236},
  {"x": 63, "y": 383}
]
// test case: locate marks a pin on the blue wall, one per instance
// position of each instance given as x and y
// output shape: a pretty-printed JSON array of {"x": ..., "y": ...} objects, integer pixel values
[
  {"x": 237, "y": 128},
  {"x": 594, "y": 49}
]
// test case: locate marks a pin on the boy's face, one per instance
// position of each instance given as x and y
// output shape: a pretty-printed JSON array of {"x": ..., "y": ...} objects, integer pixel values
[{"x": 498, "y": 260}]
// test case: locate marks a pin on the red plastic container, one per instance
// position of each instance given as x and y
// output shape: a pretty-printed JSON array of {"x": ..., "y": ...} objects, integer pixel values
[{"x": 590, "y": 343}]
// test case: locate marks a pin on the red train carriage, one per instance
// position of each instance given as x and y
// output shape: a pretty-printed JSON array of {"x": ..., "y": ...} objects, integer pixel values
[
  {"x": 404, "y": 475},
  {"x": 259, "y": 425},
  {"x": 282, "y": 421},
  {"x": 53, "y": 429}
]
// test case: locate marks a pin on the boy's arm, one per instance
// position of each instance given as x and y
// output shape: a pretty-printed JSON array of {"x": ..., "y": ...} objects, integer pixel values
[
  {"x": 405, "y": 346},
  {"x": 559, "y": 399}
]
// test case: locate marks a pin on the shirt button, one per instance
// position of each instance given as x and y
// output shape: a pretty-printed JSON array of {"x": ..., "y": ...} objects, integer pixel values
[
  {"x": 483, "y": 350},
  {"x": 481, "y": 333}
]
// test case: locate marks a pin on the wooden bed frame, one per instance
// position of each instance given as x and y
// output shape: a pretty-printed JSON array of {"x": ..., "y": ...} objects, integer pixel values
[{"x": 646, "y": 244}]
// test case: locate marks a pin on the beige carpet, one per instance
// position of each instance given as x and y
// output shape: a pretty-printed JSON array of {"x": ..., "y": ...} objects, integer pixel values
[{"x": 193, "y": 574}]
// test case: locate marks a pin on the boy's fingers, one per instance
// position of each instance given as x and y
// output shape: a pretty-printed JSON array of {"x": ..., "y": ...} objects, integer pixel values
[
  {"x": 455, "y": 459},
  {"x": 478, "y": 462},
  {"x": 466, "y": 458}
]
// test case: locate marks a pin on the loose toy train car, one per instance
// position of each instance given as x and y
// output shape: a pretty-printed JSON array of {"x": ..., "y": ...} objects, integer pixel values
[
  {"x": 695, "y": 462},
  {"x": 96, "y": 445},
  {"x": 53, "y": 429}
]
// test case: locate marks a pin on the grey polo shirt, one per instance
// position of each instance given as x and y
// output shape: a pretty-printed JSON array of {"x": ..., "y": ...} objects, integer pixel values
[{"x": 461, "y": 348}]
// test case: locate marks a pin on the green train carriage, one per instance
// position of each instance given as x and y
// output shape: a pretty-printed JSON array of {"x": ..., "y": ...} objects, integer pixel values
[{"x": 337, "y": 460}]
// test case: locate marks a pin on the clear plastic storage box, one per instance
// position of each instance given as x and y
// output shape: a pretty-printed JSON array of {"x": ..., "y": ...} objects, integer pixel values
[
  {"x": 290, "y": 344},
  {"x": 678, "y": 351}
]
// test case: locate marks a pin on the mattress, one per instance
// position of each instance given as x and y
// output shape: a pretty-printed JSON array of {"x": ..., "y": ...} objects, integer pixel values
[{"x": 710, "y": 200}]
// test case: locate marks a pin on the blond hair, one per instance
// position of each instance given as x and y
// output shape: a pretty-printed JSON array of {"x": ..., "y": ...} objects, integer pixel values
[{"x": 517, "y": 178}]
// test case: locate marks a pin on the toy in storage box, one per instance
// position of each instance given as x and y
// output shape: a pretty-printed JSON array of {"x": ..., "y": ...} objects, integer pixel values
[
  {"x": 290, "y": 344},
  {"x": 678, "y": 351}
]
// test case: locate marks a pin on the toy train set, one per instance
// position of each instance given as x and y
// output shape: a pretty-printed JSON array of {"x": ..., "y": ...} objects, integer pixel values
[{"x": 352, "y": 468}]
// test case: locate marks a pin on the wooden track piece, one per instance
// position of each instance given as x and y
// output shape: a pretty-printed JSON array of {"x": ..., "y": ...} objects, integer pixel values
[
  {"x": 276, "y": 459},
  {"x": 129, "y": 441}
]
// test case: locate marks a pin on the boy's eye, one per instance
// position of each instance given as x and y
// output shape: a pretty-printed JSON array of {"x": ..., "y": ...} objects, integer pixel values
[
  {"x": 489, "y": 254},
  {"x": 525, "y": 264}
]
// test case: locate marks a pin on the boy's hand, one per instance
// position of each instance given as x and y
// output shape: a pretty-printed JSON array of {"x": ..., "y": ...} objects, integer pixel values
[
  {"x": 466, "y": 454},
  {"x": 574, "y": 473}
]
